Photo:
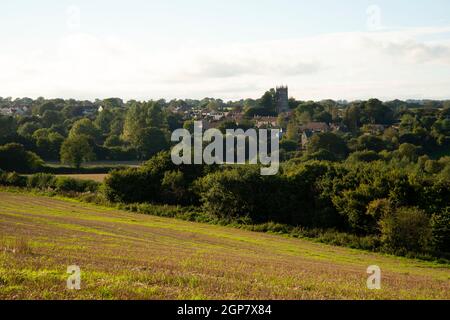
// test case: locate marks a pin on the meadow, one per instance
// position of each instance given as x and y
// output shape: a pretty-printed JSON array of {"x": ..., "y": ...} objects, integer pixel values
[
  {"x": 125, "y": 255},
  {"x": 98, "y": 177}
]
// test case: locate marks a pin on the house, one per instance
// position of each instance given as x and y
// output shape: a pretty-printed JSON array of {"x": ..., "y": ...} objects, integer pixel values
[
  {"x": 14, "y": 111},
  {"x": 338, "y": 127},
  {"x": 217, "y": 116},
  {"x": 234, "y": 116},
  {"x": 374, "y": 128},
  {"x": 315, "y": 127},
  {"x": 6, "y": 111},
  {"x": 266, "y": 122},
  {"x": 307, "y": 131}
]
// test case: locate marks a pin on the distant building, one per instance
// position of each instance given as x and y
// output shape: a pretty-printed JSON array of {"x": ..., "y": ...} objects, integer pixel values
[
  {"x": 15, "y": 111},
  {"x": 6, "y": 111},
  {"x": 235, "y": 116},
  {"x": 373, "y": 128},
  {"x": 217, "y": 116},
  {"x": 315, "y": 127},
  {"x": 338, "y": 127},
  {"x": 269, "y": 122},
  {"x": 309, "y": 129},
  {"x": 282, "y": 99}
]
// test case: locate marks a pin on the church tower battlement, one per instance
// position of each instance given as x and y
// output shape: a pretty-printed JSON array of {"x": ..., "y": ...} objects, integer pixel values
[{"x": 282, "y": 99}]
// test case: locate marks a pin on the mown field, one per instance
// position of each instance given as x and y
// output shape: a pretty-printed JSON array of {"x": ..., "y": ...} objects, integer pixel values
[
  {"x": 99, "y": 177},
  {"x": 125, "y": 255}
]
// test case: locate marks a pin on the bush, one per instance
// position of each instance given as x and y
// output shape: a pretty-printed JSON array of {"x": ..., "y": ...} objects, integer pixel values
[
  {"x": 66, "y": 184},
  {"x": 364, "y": 156},
  {"x": 45, "y": 181},
  {"x": 321, "y": 155},
  {"x": 41, "y": 181},
  {"x": 131, "y": 185},
  {"x": 406, "y": 230},
  {"x": 289, "y": 145},
  {"x": 14, "y": 157},
  {"x": 157, "y": 181},
  {"x": 242, "y": 191},
  {"x": 12, "y": 179},
  {"x": 440, "y": 230}
]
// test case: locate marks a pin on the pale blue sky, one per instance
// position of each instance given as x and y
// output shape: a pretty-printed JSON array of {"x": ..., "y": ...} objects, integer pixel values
[{"x": 173, "y": 48}]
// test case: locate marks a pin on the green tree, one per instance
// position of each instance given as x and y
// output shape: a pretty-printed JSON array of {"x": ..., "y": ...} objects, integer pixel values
[
  {"x": 8, "y": 126},
  {"x": 174, "y": 186},
  {"x": 408, "y": 151},
  {"x": 113, "y": 102},
  {"x": 150, "y": 141},
  {"x": 46, "y": 106},
  {"x": 75, "y": 150},
  {"x": 113, "y": 141},
  {"x": 104, "y": 120},
  {"x": 155, "y": 116},
  {"x": 51, "y": 117},
  {"x": 330, "y": 142},
  {"x": 85, "y": 127},
  {"x": 141, "y": 116},
  {"x": 48, "y": 143},
  {"x": 293, "y": 131},
  {"x": 370, "y": 142},
  {"x": 352, "y": 117},
  {"x": 440, "y": 229},
  {"x": 14, "y": 157},
  {"x": 289, "y": 145},
  {"x": 406, "y": 230},
  {"x": 28, "y": 128}
]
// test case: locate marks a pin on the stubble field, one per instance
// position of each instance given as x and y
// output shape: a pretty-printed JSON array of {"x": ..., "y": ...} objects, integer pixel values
[{"x": 125, "y": 255}]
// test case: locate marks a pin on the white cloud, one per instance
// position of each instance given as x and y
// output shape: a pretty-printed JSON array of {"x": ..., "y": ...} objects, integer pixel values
[{"x": 386, "y": 64}]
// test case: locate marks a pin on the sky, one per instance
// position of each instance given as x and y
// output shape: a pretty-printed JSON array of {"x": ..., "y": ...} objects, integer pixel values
[{"x": 228, "y": 49}]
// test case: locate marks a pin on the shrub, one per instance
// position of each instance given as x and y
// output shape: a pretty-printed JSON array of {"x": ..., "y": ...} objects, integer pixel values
[
  {"x": 66, "y": 184},
  {"x": 131, "y": 185},
  {"x": 241, "y": 192},
  {"x": 12, "y": 179},
  {"x": 379, "y": 208},
  {"x": 157, "y": 181},
  {"x": 364, "y": 156},
  {"x": 440, "y": 230},
  {"x": 271, "y": 227},
  {"x": 353, "y": 203},
  {"x": 173, "y": 186},
  {"x": 41, "y": 181},
  {"x": 330, "y": 142},
  {"x": 14, "y": 157},
  {"x": 321, "y": 154},
  {"x": 406, "y": 230},
  {"x": 289, "y": 145}
]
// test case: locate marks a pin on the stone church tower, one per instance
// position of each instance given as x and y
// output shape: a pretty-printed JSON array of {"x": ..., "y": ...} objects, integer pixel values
[{"x": 282, "y": 99}]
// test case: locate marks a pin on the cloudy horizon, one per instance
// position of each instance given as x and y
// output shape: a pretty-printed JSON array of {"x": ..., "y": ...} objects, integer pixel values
[{"x": 151, "y": 50}]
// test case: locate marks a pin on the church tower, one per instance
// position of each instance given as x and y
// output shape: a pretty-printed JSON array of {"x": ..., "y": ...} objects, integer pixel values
[{"x": 282, "y": 99}]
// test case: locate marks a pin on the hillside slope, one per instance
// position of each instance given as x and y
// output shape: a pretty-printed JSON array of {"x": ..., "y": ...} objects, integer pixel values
[{"x": 131, "y": 256}]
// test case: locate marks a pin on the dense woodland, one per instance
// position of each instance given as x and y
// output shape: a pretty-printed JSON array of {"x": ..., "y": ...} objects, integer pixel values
[{"x": 378, "y": 180}]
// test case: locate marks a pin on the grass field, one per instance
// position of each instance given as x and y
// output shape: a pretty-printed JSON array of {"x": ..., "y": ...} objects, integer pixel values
[
  {"x": 100, "y": 164},
  {"x": 99, "y": 177},
  {"x": 125, "y": 255}
]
